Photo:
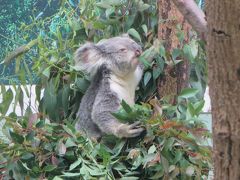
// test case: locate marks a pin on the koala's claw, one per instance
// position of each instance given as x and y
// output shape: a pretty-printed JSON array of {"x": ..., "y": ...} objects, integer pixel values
[
  {"x": 131, "y": 130},
  {"x": 135, "y": 125}
]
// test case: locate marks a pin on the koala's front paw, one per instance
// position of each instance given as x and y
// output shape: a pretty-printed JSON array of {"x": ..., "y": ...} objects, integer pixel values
[{"x": 132, "y": 130}]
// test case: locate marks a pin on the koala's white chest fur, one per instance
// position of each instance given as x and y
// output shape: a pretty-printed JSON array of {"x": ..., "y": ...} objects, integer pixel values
[{"x": 125, "y": 87}]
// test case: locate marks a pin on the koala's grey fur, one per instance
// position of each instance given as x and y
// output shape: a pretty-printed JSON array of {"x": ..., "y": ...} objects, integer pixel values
[{"x": 115, "y": 73}]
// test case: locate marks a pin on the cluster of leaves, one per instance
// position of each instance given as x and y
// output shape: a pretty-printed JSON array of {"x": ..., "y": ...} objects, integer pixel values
[
  {"x": 129, "y": 114},
  {"x": 46, "y": 145},
  {"x": 35, "y": 148}
]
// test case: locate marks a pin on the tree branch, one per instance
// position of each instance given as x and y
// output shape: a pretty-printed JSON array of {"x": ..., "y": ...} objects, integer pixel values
[
  {"x": 19, "y": 51},
  {"x": 193, "y": 14}
]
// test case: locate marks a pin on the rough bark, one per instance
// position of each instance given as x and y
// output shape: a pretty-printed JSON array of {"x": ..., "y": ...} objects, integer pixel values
[
  {"x": 176, "y": 77},
  {"x": 224, "y": 85}
]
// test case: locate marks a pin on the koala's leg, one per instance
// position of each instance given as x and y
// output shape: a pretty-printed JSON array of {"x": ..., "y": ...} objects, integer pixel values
[{"x": 87, "y": 127}]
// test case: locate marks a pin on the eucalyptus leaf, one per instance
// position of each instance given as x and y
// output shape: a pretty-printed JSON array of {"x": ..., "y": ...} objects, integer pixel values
[
  {"x": 199, "y": 106},
  {"x": 6, "y": 101},
  {"x": 162, "y": 52},
  {"x": 75, "y": 164},
  {"x": 67, "y": 174},
  {"x": 188, "y": 93},
  {"x": 126, "y": 107},
  {"x": 129, "y": 178},
  {"x": 145, "y": 29},
  {"x": 176, "y": 53},
  {"x": 191, "y": 109},
  {"x": 26, "y": 156},
  {"x": 50, "y": 99},
  {"x": 152, "y": 149},
  {"x": 57, "y": 178},
  {"x": 135, "y": 34},
  {"x": 143, "y": 7},
  {"x": 156, "y": 72},
  {"x": 16, "y": 137},
  {"x": 147, "y": 77},
  {"x": 49, "y": 168},
  {"x": 188, "y": 53}
]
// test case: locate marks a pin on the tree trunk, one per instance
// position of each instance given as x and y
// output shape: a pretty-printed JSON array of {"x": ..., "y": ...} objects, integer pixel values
[
  {"x": 223, "y": 39},
  {"x": 175, "y": 77}
]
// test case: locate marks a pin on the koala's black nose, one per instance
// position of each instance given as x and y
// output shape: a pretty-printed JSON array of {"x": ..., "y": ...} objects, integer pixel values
[{"x": 138, "y": 52}]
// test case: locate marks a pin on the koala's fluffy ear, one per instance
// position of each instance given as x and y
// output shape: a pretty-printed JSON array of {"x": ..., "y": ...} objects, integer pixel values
[
  {"x": 84, "y": 52},
  {"x": 87, "y": 58}
]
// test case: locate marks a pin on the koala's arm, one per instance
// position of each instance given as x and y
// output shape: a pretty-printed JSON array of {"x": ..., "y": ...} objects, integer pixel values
[{"x": 102, "y": 116}]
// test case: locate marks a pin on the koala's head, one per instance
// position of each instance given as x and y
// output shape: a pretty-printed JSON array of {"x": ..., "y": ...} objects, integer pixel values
[{"x": 120, "y": 54}]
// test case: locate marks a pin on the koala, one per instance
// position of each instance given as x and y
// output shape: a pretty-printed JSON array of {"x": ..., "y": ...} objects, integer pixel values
[{"x": 115, "y": 70}]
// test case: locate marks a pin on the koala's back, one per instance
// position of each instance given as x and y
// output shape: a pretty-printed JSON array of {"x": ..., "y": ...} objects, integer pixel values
[{"x": 96, "y": 97}]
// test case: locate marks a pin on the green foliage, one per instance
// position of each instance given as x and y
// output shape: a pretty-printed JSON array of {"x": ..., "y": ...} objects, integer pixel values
[
  {"x": 129, "y": 114},
  {"x": 175, "y": 148},
  {"x": 46, "y": 145}
]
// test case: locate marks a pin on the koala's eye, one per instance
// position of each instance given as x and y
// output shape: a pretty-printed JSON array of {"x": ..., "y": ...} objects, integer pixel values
[{"x": 123, "y": 50}]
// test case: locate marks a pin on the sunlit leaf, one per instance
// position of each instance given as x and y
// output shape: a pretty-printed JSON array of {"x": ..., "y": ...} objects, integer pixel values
[
  {"x": 135, "y": 34},
  {"x": 188, "y": 53},
  {"x": 67, "y": 174},
  {"x": 199, "y": 106},
  {"x": 75, "y": 164},
  {"x": 144, "y": 61},
  {"x": 57, "y": 178},
  {"x": 145, "y": 29},
  {"x": 143, "y": 7},
  {"x": 162, "y": 52},
  {"x": 190, "y": 110},
  {"x": 152, "y": 149},
  {"x": 70, "y": 143},
  {"x": 129, "y": 178},
  {"x": 147, "y": 77},
  {"x": 188, "y": 92}
]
